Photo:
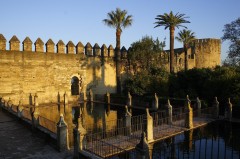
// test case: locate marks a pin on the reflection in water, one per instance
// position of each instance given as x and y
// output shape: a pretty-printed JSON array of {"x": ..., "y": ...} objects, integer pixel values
[
  {"x": 217, "y": 140},
  {"x": 188, "y": 136},
  {"x": 96, "y": 117}
]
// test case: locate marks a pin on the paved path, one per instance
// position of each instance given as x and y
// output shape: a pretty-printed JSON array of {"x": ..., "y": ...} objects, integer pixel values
[{"x": 17, "y": 141}]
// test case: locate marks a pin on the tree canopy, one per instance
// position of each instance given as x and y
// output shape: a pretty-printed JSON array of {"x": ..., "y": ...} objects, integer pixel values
[
  {"x": 145, "y": 62},
  {"x": 118, "y": 19},
  {"x": 170, "y": 20},
  {"x": 232, "y": 34},
  {"x": 185, "y": 36},
  {"x": 145, "y": 53}
]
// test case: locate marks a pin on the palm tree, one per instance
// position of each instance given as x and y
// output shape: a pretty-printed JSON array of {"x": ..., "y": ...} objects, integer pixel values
[
  {"x": 186, "y": 37},
  {"x": 118, "y": 19},
  {"x": 171, "y": 21}
]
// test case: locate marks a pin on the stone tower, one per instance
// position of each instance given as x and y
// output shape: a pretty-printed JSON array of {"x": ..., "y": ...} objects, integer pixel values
[
  {"x": 207, "y": 52},
  {"x": 204, "y": 53}
]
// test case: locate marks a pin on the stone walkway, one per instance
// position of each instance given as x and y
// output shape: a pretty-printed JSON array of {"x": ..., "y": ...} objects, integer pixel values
[
  {"x": 17, "y": 141},
  {"x": 117, "y": 144}
]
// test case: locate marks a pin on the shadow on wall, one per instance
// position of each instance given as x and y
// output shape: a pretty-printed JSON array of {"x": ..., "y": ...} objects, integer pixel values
[
  {"x": 100, "y": 72},
  {"x": 100, "y": 75}
]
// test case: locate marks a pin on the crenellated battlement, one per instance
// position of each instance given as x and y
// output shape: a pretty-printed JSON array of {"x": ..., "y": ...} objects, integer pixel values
[
  {"x": 209, "y": 40},
  {"x": 203, "y": 53},
  {"x": 208, "y": 44},
  {"x": 49, "y": 68},
  {"x": 59, "y": 47},
  {"x": 207, "y": 52}
]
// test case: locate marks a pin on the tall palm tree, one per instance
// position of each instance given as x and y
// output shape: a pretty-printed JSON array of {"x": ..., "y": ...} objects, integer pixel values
[
  {"x": 118, "y": 19},
  {"x": 171, "y": 21},
  {"x": 186, "y": 37}
]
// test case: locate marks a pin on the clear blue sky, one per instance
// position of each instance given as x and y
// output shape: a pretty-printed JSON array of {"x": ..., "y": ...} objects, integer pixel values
[{"x": 79, "y": 20}]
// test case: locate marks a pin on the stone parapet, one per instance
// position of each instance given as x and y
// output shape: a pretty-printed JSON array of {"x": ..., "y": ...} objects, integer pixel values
[
  {"x": 70, "y": 48},
  {"x": 88, "y": 49},
  {"x": 14, "y": 44},
  {"x": 96, "y": 50},
  {"x": 60, "y": 47},
  {"x": 39, "y": 45},
  {"x": 50, "y": 46},
  {"x": 2, "y": 42},
  {"x": 27, "y": 44}
]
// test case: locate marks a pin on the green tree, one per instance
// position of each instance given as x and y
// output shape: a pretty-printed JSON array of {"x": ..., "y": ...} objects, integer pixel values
[
  {"x": 206, "y": 83},
  {"x": 232, "y": 33},
  {"x": 118, "y": 19},
  {"x": 148, "y": 75},
  {"x": 145, "y": 54},
  {"x": 171, "y": 21},
  {"x": 186, "y": 37},
  {"x": 144, "y": 82}
]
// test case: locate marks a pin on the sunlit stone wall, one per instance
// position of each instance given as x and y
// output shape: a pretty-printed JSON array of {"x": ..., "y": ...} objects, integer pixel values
[{"x": 48, "y": 69}]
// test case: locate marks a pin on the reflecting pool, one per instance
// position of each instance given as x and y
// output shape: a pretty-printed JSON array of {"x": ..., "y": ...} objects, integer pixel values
[{"x": 217, "y": 140}]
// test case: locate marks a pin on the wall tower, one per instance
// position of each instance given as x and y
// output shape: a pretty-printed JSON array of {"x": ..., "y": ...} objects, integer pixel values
[{"x": 207, "y": 52}]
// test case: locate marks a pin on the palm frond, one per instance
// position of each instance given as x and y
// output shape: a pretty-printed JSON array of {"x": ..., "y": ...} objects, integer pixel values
[
  {"x": 171, "y": 20},
  {"x": 118, "y": 19},
  {"x": 185, "y": 36}
]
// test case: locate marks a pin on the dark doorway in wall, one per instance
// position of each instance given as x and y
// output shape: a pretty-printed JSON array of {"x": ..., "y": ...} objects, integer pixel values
[
  {"x": 180, "y": 62},
  {"x": 75, "y": 86}
]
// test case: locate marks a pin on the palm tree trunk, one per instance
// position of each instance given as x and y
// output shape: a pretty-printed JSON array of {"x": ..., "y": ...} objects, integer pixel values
[
  {"x": 172, "y": 62},
  {"x": 118, "y": 63},
  {"x": 185, "y": 57}
]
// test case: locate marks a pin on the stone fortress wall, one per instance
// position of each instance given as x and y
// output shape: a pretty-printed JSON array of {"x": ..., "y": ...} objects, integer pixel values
[
  {"x": 51, "y": 68},
  {"x": 26, "y": 72},
  {"x": 208, "y": 52},
  {"x": 204, "y": 53}
]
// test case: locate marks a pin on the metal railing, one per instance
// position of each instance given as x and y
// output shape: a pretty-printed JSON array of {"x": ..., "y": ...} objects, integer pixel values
[
  {"x": 205, "y": 113},
  {"x": 158, "y": 117},
  {"x": 179, "y": 110},
  {"x": 112, "y": 124},
  {"x": 110, "y": 142},
  {"x": 105, "y": 144},
  {"x": 179, "y": 120},
  {"x": 138, "y": 122},
  {"x": 101, "y": 148},
  {"x": 161, "y": 122},
  {"x": 163, "y": 127}
]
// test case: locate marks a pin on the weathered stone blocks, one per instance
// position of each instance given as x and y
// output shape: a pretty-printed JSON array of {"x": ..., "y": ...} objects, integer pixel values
[
  {"x": 2, "y": 42},
  {"x": 39, "y": 45},
  {"x": 14, "y": 44},
  {"x": 27, "y": 44},
  {"x": 60, "y": 47},
  {"x": 50, "y": 46},
  {"x": 70, "y": 48}
]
